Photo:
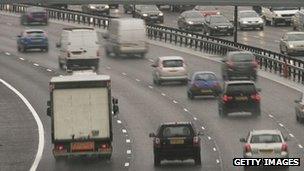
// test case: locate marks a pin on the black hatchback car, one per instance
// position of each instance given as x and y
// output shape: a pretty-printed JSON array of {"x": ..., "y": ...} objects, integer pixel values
[
  {"x": 217, "y": 25},
  {"x": 191, "y": 20},
  {"x": 149, "y": 13},
  {"x": 239, "y": 65},
  {"x": 239, "y": 96},
  {"x": 176, "y": 141},
  {"x": 34, "y": 15}
]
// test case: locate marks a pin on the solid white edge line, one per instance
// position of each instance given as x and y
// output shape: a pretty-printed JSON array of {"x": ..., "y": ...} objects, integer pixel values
[
  {"x": 49, "y": 70},
  {"x": 291, "y": 135},
  {"x": 22, "y": 59},
  {"x": 281, "y": 125},
  {"x": 36, "y": 64},
  {"x": 38, "y": 121}
]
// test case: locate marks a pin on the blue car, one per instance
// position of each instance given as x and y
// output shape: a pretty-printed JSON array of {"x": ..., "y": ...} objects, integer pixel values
[
  {"x": 203, "y": 83},
  {"x": 32, "y": 39}
]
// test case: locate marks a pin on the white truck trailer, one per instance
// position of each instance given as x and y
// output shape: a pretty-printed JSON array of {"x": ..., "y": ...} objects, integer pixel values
[{"x": 80, "y": 108}]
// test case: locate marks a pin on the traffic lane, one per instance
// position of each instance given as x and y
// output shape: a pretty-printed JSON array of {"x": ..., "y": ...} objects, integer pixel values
[
  {"x": 19, "y": 135},
  {"x": 32, "y": 82},
  {"x": 146, "y": 111},
  {"x": 141, "y": 70}
]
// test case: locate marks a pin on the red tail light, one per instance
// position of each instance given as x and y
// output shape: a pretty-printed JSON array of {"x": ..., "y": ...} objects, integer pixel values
[
  {"x": 156, "y": 142},
  {"x": 256, "y": 97},
  {"x": 196, "y": 141},
  {"x": 227, "y": 98},
  {"x": 247, "y": 148},
  {"x": 230, "y": 64},
  {"x": 284, "y": 147}
]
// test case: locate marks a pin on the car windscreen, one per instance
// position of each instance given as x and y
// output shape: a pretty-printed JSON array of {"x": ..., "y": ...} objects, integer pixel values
[
  {"x": 245, "y": 88},
  {"x": 193, "y": 14},
  {"x": 296, "y": 37},
  {"x": 149, "y": 8},
  {"x": 219, "y": 19},
  {"x": 205, "y": 77},
  {"x": 248, "y": 14},
  {"x": 265, "y": 138},
  {"x": 242, "y": 57},
  {"x": 177, "y": 131},
  {"x": 172, "y": 63},
  {"x": 35, "y": 33}
]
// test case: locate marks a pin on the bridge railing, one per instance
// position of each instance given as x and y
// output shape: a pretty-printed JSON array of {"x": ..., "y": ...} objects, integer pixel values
[{"x": 277, "y": 63}]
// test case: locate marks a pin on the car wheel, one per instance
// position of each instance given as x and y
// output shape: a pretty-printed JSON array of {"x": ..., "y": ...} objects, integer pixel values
[
  {"x": 46, "y": 49},
  {"x": 157, "y": 160},
  {"x": 190, "y": 95},
  {"x": 261, "y": 28},
  {"x": 197, "y": 160}
]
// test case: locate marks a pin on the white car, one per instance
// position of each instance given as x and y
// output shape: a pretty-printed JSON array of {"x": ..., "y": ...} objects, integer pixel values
[
  {"x": 265, "y": 144},
  {"x": 250, "y": 19},
  {"x": 275, "y": 15}
]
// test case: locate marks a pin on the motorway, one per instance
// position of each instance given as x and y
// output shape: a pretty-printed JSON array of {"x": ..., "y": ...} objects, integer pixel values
[{"x": 144, "y": 106}]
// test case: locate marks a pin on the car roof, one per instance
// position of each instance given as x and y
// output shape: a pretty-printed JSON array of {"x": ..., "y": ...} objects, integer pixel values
[
  {"x": 239, "y": 82},
  {"x": 238, "y": 52},
  {"x": 203, "y": 72},
  {"x": 171, "y": 58},
  {"x": 265, "y": 131},
  {"x": 175, "y": 123}
]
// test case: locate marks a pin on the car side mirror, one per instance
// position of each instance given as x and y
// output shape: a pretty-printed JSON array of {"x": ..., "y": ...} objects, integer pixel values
[
  {"x": 48, "y": 111},
  {"x": 58, "y": 45},
  {"x": 242, "y": 140},
  {"x": 258, "y": 89},
  {"x": 151, "y": 135}
]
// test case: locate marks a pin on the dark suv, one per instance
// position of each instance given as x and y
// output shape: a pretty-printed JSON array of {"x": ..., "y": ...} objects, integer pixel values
[
  {"x": 217, "y": 25},
  {"x": 239, "y": 65},
  {"x": 176, "y": 141},
  {"x": 149, "y": 13},
  {"x": 34, "y": 15},
  {"x": 239, "y": 96}
]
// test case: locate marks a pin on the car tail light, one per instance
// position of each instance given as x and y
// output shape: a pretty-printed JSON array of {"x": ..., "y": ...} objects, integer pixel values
[
  {"x": 97, "y": 53},
  {"x": 247, "y": 148},
  {"x": 256, "y": 97},
  {"x": 284, "y": 147},
  {"x": 227, "y": 98},
  {"x": 196, "y": 141},
  {"x": 59, "y": 147},
  {"x": 68, "y": 54},
  {"x": 157, "y": 142},
  {"x": 104, "y": 147}
]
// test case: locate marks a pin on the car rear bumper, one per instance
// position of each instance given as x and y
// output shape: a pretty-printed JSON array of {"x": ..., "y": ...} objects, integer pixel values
[
  {"x": 34, "y": 46},
  {"x": 204, "y": 91},
  {"x": 172, "y": 154},
  {"x": 221, "y": 31},
  {"x": 251, "y": 25},
  {"x": 81, "y": 63},
  {"x": 133, "y": 50},
  {"x": 241, "y": 73},
  {"x": 195, "y": 27},
  {"x": 174, "y": 78},
  {"x": 233, "y": 108},
  {"x": 76, "y": 154}
]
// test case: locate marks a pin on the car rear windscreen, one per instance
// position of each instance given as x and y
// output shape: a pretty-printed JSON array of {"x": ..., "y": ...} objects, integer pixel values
[
  {"x": 266, "y": 138},
  {"x": 240, "y": 88},
  {"x": 242, "y": 57},
  {"x": 177, "y": 131},
  {"x": 173, "y": 63}
]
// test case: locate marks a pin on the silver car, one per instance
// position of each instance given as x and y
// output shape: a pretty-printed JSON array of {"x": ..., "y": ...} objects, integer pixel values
[
  {"x": 265, "y": 144},
  {"x": 299, "y": 108},
  {"x": 250, "y": 19},
  {"x": 169, "y": 68},
  {"x": 292, "y": 43}
]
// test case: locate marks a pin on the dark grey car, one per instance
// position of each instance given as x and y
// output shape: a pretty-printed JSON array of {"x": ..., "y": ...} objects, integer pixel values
[
  {"x": 149, "y": 13},
  {"x": 299, "y": 109},
  {"x": 217, "y": 25},
  {"x": 239, "y": 65},
  {"x": 191, "y": 20}
]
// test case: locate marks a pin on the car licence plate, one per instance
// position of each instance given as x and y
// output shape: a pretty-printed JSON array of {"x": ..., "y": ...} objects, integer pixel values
[
  {"x": 241, "y": 98},
  {"x": 177, "y": 141},
  {"x": 82, "y": 146},
  {"x": 266, "y": 151}
]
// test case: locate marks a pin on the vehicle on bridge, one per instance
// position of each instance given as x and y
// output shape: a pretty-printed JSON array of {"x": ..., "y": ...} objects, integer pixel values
[
  {"x": 169, "y": 69},
  {"x": 176, "y": 141},
  {"x": 203, "y": 83},
  {"x": 297, "y": 21},
  {"x": 206, "y": 10},
  {"x": 299, "y": 109},
  {"x": 80, "y": 108},
  {"x": 35, "y": 15},
  {"x": 79, "y": 48},
  {"x": 32, "y": 39},
  {"x": 249, "y": 19},
  {"x": 239, "y": 96},
  {"x": 181, "y": 8},
  {"x": 149, "y": 13},
  {"x": 278, "y": 15},
  {"x": 292, "y": 43},
  {"x": 96, "y": 9},
  {"x": 217, "y": 25},
  {"x": 191, "y": 20}
]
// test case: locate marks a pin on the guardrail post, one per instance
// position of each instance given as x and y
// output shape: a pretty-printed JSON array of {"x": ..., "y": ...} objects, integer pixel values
[{"x": 285, "y": 69}]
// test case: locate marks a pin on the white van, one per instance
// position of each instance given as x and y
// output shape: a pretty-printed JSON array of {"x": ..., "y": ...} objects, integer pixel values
[
  {"x": 79, "y": 48},
  {"x": 126, "y": 37}
]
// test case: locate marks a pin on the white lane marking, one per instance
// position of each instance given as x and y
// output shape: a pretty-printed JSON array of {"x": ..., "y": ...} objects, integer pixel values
[
  {"x": 119, "y": 121},
  {"x": 7, "y": 53},
  {"x": 128, "y": 140},
  {"x": 124, "y": 73},
  {"x": 291, "y": 135},
  {"x": 163, "y": 94},
  {"x": 151, "y": 60},
  {"x": 186, "y": 110},
  {"x": 203, "y": 128},
  {"x": 209, "y": 138},
  {"x": 108, "y": 67},
  {"x": 194, "y": 118},
  {"x": 22, "y": 59},
  {"x": 150, "y": 87},
  {"x": 36, "y": 64},
  {"x": 129, "y": 151},
  {"x": 217, "y": 161},
  {"x": 174, "y": 101},
  {"x": 124, "y": 130},
  {"x": 214, "y": 149},
  {"x": 281, "y": 125},
  {"x": 300, "y": 146},
  {"x": 137, "y": 80},
  {"x": 39, "y": 124},
  {"x": 270, "y": 115},
  {"x": 49, "y": 70},
  {"x": 127, "y": 164}
]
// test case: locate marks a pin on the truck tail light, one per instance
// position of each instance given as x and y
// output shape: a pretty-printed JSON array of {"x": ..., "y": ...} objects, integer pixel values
[
  {"x": 256, "y": 97},
  {"x": 284, "y": 147},
  {"x": 157, "y": 142},
  {"x": 196, "y": 141},
  {"x": 227, "y": 98},
  {"x": 247, "y": 148}
]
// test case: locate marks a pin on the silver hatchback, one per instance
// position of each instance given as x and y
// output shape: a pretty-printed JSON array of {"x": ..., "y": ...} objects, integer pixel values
[
  {"x": 169, "y": 68},
  {"x": 265, "y": 144}
]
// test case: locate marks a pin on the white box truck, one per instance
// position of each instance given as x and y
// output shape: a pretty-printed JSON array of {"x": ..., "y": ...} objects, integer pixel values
[{"x": 80, "y": 108}]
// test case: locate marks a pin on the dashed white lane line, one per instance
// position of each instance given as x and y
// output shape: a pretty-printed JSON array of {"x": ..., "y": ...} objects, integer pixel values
[
  {"x": 291, "y": 135},
  {"x": 129, "y": 151},
  {"x": 128, "y": 140},
  {"x": 151, "y": 60},
  {"x": 127, "y": 164},
  {"x": 39, "y": 124},
  {"x": 119, "y": 121},
  {"x": 108, "y": 67},
  {"x": 270, "y": 115},
  {"x": 124, "y": 73},
  {"x": 150, "y": 87},
  {"x": 203, "y": 128},
  {"x": 186, "y": 110},
  {"x": 281, "y": 125},
  {"x": 137, "y": 80},
  {"x": 217, "y": 161},
  {"x": 300, "y": 146},
  {"x": 174, "y": 101},
  {"x": 194, "y": 118},
  {"x": 214, "y": 149},
  {"x": 49, "y": 70},
  {"x": 36, "y": 64},
  {"x": 124, "y": 130},
  {"x": 7, "y": 53},
  {"x": 163, "y": 94},
  {"x": 22, "y": 59},
  {"x": 209, "y": 138}
]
